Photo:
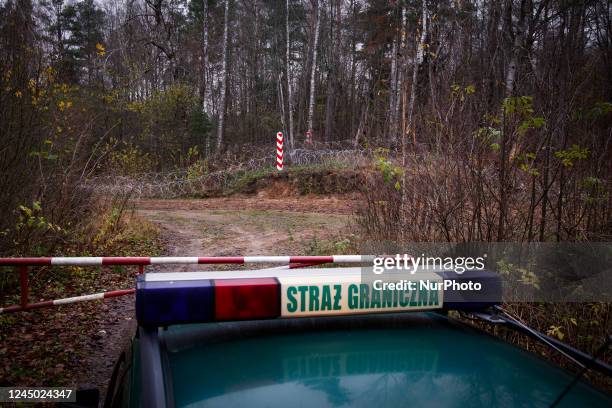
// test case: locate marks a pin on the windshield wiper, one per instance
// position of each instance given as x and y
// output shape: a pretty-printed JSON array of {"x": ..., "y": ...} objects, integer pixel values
[{"x": 584, "y": 360}]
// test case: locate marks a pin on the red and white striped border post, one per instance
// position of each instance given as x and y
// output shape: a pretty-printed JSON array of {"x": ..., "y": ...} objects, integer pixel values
[
  {"x": 21, "y": 265},
  {"x": 308, "y": 137},
  {"x": 279, "y": 151}
]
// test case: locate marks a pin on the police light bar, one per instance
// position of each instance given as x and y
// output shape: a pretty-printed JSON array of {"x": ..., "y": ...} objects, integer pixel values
[{"x": 164, "y": 299}]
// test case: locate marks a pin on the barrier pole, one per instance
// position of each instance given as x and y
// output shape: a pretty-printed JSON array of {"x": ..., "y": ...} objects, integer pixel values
[
  {"x": 183, "y": 260},
  {"x": 65, "y": 301},
  {"x": 21, "y": 266}
]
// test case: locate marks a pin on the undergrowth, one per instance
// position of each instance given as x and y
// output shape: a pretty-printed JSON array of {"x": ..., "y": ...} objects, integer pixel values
[
  {"x": 442, "y": 203},
  {"x": 326, "y": 178},
  {"x": 48, "y": 347}
]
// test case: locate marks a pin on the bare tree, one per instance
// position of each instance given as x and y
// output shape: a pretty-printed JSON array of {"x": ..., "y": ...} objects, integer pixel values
[
  {"x": 313, "y": 71},
  {"x": 408, "y": 128},
  {"x": 415, "y": 70},
  {"x": 223, "y": 78},
  {"x": 204, "y": 54},
  {"x": 393, "y": 84},
  {"x": 398, "y": 69},
  {"x": 334, "y": 69},
  {"x": 396, "y": 77},
  {"x": 204, "y": 78},
  {"x": 289, "y": 84},
  {"x": 510, "y": 80},
  {"x": 400, "y": 73}
]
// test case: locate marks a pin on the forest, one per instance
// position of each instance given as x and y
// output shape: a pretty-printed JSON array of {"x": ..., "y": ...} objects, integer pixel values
[{"x": 495, "y": 115}]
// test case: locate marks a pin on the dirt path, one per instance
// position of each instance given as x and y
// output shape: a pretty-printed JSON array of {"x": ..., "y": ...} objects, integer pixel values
[{"x": 247, "y": 226}]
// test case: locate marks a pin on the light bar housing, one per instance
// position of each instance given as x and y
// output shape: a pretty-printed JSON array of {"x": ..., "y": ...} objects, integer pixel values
[
  {"x": 174, "y": 302},
  {"x": 164, "y": 299}
]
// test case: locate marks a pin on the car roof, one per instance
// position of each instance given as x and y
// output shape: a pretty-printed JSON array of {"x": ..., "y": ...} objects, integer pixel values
[{"x": 386, "y": 360}]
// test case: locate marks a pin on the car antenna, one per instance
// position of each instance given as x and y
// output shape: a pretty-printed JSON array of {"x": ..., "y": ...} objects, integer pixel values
[{"x": 569, "y": 386}]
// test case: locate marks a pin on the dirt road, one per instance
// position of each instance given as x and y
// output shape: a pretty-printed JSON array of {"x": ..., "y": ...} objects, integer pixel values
[{"x": 247, "y": 226}]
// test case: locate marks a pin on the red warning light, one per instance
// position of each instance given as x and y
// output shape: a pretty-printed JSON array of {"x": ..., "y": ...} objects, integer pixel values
[{"x": 242, "y": 299}]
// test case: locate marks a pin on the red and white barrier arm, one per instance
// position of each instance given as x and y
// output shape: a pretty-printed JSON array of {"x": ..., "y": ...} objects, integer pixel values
[
  {"x": 65, "y": 301},
  {"x": 21, "y": 264},
  {"x": 83, "y": 261}
]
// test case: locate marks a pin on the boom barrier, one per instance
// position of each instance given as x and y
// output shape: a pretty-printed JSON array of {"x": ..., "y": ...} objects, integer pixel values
[{"x": 22, "y": 264}]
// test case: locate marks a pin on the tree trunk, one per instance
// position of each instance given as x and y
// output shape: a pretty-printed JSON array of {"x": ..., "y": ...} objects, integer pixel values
[
  {"x": 400, "y": 72},
  {"x": 204, "y": 54},
  {"x": 204, "y": 78},
  {"x": 289, "y": 85},
  {"x": 510, "y": 80},
  {"x": 352, "y": 116},
  {"x": 415, "y": 71},
  {"x": 392, "y": 126},
  {"x": 313, "y": 71},
  {"x": 281, "y": 100},
  {"x": 333, "y": 76},
  {"x": 408, "y": 127},
  {"x": 545, "y": 183},
  {"x": 362, "y": 122},
  {"x": 223, "y": 78}
]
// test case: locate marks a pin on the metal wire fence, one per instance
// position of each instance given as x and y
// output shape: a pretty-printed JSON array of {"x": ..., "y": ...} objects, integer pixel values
[{"x": 200, "y": 182}]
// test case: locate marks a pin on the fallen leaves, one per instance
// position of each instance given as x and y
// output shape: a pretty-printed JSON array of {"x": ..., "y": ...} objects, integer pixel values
[{"x": 48, "y": 347}]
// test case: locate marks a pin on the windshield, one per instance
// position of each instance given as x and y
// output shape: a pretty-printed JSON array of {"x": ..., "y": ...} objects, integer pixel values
[{"x": 421, "y": 360}]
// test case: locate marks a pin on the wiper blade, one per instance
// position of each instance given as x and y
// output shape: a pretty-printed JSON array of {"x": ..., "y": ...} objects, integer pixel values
[{"x": 579, "y": 357}]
